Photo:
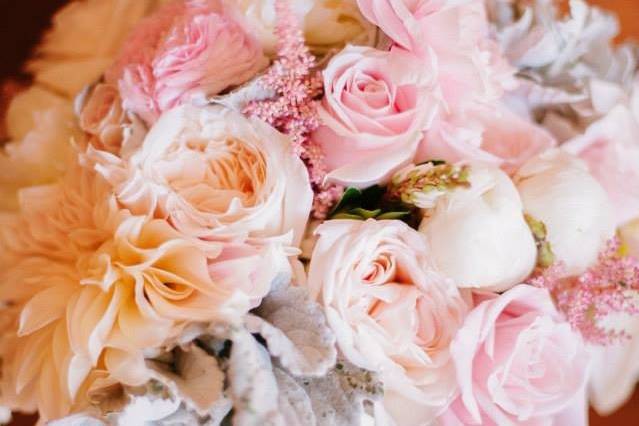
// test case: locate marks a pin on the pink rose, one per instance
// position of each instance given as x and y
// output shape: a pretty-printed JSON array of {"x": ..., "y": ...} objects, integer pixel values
[
  {"x": 400, "y": 19},
  {"x": 610, "y": 147},
  {"x": 391, "y": 312},
  {"x": 486, "y": 136},
  {"x": 375, "y": 108},
  {"x": 185, "y": 51},
  {"x": 518, "y": 363},
  {"x": 470, "y": 64}
]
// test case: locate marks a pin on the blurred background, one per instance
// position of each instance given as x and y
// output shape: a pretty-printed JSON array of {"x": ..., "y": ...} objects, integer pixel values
[{"x": 23, "y": 21}]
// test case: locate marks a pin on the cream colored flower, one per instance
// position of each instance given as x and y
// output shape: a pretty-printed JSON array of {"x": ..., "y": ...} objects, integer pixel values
[
  {"x": 557, "y": 189},
  {"x": 91, "y": 286},
  {"x": 478, "y": 235},
  {"x": 332, "y": 24},
  {"x": 327, "y": 24},
  {"x": 83, "y": 41},
  {"x": 215, "y": 174},
  {"x": 43, "y": 128},
  {"x": 391, "y": 311}
]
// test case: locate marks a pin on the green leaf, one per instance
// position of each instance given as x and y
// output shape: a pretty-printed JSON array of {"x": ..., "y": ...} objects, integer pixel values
[
  {"x": 366, "y": 214},
  {"x": 350, "y": 197},
  {"x": 392, "y": 215},
  {"x": 346, "y": 216}
]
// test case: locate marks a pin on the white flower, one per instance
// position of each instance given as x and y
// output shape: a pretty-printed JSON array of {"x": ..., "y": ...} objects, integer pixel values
[
  {"x": 478, "y": 235},
  {"x": 616, "y": 367},
  {"x": 84, "y": 39},
  {"x": 332, "y": 24},
  {"x": 327, "y": 24},
  {"x": 557, "y": 190},
  {"x": 261, "y": 18}
]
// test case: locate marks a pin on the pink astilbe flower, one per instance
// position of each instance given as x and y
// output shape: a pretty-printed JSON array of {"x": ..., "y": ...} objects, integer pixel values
[
  {"x": 607, "y": 288},
  {"x": 293, "y": 110}
]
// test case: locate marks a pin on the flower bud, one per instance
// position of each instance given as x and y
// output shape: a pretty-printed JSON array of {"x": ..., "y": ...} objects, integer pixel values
[{"x": 478, "y": 235}]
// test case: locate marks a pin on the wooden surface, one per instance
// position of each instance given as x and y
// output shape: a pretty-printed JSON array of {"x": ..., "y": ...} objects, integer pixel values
[{"x": 22, "y": 20}]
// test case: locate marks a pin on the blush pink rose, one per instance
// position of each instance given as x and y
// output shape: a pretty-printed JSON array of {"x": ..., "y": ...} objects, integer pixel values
[
  {"x": 493, "y": 137},
  {"x": 187, "y": 50},
  {"x": 518, "y": 363},
  {"x": 610, "y": 147},
  {"x": 376, "y": 106},
  {"x": 471, "y": 67},
  {"x": 390, "y": 310}
]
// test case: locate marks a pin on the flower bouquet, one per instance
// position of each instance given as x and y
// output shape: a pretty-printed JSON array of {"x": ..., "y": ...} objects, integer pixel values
[{"x": 321, "y": 212}]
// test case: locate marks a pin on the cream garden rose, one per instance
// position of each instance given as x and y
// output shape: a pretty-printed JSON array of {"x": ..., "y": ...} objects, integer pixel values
[
  {"x": 390, "y": 310},
  {"x": 214, "y": 174},
  {"x": 557, "y": 189},
  {"x": 478, "y": 235}
]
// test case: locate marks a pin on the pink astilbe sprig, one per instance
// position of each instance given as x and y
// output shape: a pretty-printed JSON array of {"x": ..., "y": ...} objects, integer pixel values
[
  {"x": 609, "y": 287},
  {"x": 293, "y": 110}
]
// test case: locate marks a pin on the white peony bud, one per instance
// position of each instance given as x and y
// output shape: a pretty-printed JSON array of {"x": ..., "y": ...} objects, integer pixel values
[
  {"x": 478, "y": 235},
  {"x": 557, "y": 189}
]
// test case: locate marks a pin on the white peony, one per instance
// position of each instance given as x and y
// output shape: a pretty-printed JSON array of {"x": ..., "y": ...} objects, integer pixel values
[
  {"x": 557, "y": 189},
  {"x": 478, "y": 235}
]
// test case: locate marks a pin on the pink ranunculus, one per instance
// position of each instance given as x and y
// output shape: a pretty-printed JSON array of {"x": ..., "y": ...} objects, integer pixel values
[
  {"x": 376, "y": 106},
  {"x": 188, "y": 49},
  {"x": 390, "y": 310},
  {"x": 495, "y": 137},
  {"x": 518, "y": 363},
  {"x": 610, "y": 147}
]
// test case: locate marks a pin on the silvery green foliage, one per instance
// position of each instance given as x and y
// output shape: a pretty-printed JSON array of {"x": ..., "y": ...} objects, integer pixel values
[
  {"x": 192, "y": 376},
  {"x": 294, "y": 380},
  {"x": 253, "y": 387},
  {"x": 562, "y": 60},
  {"x": 339, "y": 398},
  {"x": 295, "y": 332}
]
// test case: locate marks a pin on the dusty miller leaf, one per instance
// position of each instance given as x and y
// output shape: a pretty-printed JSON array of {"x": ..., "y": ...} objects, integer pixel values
[
  {"x": 194, "y": 378},
  {"x": 337, "y": 399},
  {"x": 253, "y": 387},
  {"x": 295, "y": 330}
]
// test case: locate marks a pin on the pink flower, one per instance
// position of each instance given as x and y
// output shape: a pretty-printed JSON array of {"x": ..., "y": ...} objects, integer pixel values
[
  {"x": 518, "y": 363},
  {"x": 400, "y": 19},
  {"x": 391, "y": 312},
  {"x": 375, "y": 108},
  {"x": 488, "y": 136},
  {"x": 610, "y": 147},
  {"x": 185, "y": 51},
  {"x": 457, "y": 33}
]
